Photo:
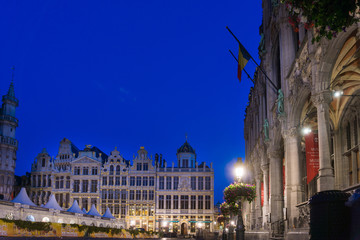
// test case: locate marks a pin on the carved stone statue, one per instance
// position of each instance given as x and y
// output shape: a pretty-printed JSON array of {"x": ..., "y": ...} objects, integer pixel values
[
  {"x": 280, "y": 102},
  {"x": 266, "y": 129},
  {"x": 261, "y": 47}
]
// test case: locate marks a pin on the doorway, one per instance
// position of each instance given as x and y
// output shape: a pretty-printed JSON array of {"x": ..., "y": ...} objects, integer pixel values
[{"x": 183, "y": 229}]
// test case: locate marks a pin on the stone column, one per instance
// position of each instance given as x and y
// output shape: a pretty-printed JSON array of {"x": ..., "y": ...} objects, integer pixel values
[
  {"x": 326, "y": 180},
  {"x": 276, "y": 185},
  {"x": 258, "y": 198},
  {"x": 265, "y": 170},
  {"x": 294, "y": 173}
]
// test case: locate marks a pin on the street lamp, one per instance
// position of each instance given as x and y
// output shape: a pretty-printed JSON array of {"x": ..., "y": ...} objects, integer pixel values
[{"x": 239, "y": 173}]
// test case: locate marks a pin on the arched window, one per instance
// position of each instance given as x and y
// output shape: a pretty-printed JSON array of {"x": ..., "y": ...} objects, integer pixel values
[
  {"x": 117, "y": 170},
  {"x": 111, "y": 170}
]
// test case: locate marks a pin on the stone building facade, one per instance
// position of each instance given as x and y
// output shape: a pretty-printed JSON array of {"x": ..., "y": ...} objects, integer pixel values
[
  {"x": 8, "y": 143},
  {"x": 145, "y": 192},
  {"x": 311, "y": 77}
]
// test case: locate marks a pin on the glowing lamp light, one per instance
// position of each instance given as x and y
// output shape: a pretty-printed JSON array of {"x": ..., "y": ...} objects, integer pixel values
[
  {"x": 226, "y": 229},
  {"x": 132, "y": 222},
  {"x": 239, "y": 172},
  {"x": 164, "y": 223},
  {"x": 338, "y": 93},
  {"x": 199, "y": 225},
  {"x": 215, "y": 223},
  {"x": 306, "y": 130},
  {"x": 232, "y": 223}
]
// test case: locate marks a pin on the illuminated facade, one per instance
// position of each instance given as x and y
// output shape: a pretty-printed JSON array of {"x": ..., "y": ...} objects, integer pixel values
[
  {"x": 8, "y": 143},
  {"x": 145, "y": 193},
  {"x": 286, "y": 168}
]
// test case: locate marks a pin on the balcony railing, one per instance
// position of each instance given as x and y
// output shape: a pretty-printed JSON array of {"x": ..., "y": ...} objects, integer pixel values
[
  {"x": 9, "y": 141},
  {"x": 9, "y": 118}
]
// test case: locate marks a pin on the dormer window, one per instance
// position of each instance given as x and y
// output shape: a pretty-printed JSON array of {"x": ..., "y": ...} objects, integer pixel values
[
  {"x": 138, "y": 166},
  {"x": 145, "y": 166}
]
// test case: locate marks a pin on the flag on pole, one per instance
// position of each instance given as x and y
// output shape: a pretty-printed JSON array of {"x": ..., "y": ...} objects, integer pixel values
[{"x": 244, "y": 57}]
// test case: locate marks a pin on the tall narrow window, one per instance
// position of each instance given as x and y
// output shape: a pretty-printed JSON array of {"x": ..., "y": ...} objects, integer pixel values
[
  {"x": 151, "y": 181},
  {"x": 104, "y": 181},
  {"x": 85, "y": 185},
  {"x": 117, "y": 181},
  {"x": 207, "y": 202},
  {"x": 175, "y": 202},
  {"x": 168, "y": 201},
  {"x": 117, "y": 170},
  {"x": 161, "y": 183},
  {"x": 184, "y": 202},
  {"x": 132, "y": 181},
  {"x": 168, "y": 183},
  {"x": 145, "y": 166},
  {"x": 161, "y": 201},
  {"x": 138, "y": 166},
  {"x": 151, "y": 194},
  {"x": 86, "y": 171},
  {"x": 111, "y": 170},
  {"x": 176, "y": 183},
  {"x": 138, "y": 194},
  {"x": 200, "y": 202},
  {"x": 193, "y": 202},
  {"x": 144, "y": 195},
  {"x": 201, "y": 183},
  {"x": 93, "y": 186},
  {"x": 350, "y": 170},
  {"x": 132, "y": 195},
  {"x": 76, "y": 186},
  {"x": 138, "y": 181},
  {"x": 193, "y": 183},
  {"x": 145, "y": 181},
  {"x": 67, "y": 182},
  {"x": 207, "y": 183},
  {"x": 123, "y": 181}
]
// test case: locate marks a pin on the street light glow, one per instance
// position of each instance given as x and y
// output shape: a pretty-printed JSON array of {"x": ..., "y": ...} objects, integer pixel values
[
  {"x": 338, "y": 93},
  {"x": 306, "y": 130},
  {"x": 232, "y": 223},
  {"x": 132, "y": 222},
  {"x": 239, "y": 172}
]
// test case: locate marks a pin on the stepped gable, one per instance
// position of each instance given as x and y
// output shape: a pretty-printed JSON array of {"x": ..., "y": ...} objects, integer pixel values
[
  {"x": 52, "y": 203},
  {"x": 93, "y": 211},
  {"x": 108, "y": 214},
  {"x": 23, "y": 198},
  {"x": 75, "y": 208}
]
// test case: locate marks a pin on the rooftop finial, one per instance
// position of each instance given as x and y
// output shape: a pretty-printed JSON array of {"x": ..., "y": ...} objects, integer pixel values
[
  {"x": 13, "y": 73},
  {"x": 186, "y": 137}
]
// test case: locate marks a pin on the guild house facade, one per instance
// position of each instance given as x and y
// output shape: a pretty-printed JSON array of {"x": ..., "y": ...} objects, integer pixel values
[{"x": 145, "y": 192}]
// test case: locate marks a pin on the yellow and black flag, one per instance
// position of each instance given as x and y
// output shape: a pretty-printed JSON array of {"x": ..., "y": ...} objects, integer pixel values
[{"x": 244, "y": 57}]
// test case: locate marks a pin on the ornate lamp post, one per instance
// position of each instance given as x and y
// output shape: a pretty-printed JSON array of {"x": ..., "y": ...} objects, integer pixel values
[{"x": 240, "y": 229}]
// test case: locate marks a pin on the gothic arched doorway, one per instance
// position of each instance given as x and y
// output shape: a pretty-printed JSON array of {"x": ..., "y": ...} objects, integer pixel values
[{"x": 183, "y": 229}]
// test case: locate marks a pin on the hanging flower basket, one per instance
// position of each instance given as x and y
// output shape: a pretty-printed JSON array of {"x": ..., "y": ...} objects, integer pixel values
[
  {"x": 222, "y": 219},
  {"x": 239, "y": 191},
  {"x": 329, "y": 17},
  {"x": 229, "y": 208}
]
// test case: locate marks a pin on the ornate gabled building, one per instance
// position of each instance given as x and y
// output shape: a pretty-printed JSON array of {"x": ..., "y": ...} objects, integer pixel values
[
  {"x": 144, "y": 193},
  {"x": 315, "y": 85},
  {"x": 8, "y": 143}
]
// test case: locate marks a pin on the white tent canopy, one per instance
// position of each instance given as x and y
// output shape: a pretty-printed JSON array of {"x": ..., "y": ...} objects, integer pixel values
[
  {"x": 93, "y": 211},
  {"x": 75, "y": 208},
  {"x": 23, "y": 198},
  {"x": 108, "y": 214},
  {"x": 52, "y": 203}
]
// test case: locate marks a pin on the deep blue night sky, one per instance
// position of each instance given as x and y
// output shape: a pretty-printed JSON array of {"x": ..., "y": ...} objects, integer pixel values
[{"x": 129, "y": 74}]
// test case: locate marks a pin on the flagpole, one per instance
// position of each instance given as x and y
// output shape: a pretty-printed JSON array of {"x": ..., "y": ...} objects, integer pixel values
[
  {"x": 243, "y": 68},
  {"x": 252, "y": 58}
]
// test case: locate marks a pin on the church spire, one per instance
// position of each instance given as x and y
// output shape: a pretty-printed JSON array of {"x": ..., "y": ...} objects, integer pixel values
[{"x": 11, "y": 91}]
